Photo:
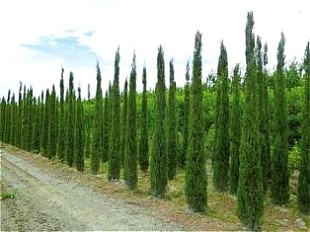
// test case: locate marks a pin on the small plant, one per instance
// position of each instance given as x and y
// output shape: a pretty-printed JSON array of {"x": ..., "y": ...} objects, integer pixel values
[
  {"x": 294, "y": 158},
  {"x": 8, "y": 195}
]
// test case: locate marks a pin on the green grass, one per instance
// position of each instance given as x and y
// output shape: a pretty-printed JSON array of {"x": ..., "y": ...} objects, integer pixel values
[{"x": 8, "y": 195}]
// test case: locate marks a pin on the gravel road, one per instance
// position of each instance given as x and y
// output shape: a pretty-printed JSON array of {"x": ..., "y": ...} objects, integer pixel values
[{"x": 47, "y": 201}]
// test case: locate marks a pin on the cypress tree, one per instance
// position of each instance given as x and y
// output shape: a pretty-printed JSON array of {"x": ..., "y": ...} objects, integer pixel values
[
  {"x": 52, "y": 126},
  {"x": 262, "y": 103},
  {"x": 97, "y": 150},
  {"x": 69, "y": 155},
  {"x": 62, "y": 123},
  {"x": 29, "y": 116},
  {"x": 24, "y": 119},
  {"x": 115, "y": 152},
  {"x": 44, "y": 133},
  {"x": 250, "y": 187},
  {"x": 19, "y": 118},
  {"x": 106, "y": 121},
  {"x": 79, "y": 140},
  {"x": 221, "y": 154},
  {"x": 124, "y": 121},
  {"x": 13, "y": 120},
  {"x": 182, "y": 159},
  {"x": 88, "y": 128},
  {"x": 195, "y": 177},
  {"x": 131, "y": 176},
  {"x": 172, "y": 126},
  {"x": 304, "y": 175},
  {"x": 235, "y": 132},
  {"x": 158, "y": 163},
  {"x": 144, "y": 139},
  {"x": 265, "y": 124},
  {"x": 279, "y": 162},
  {"x": 36, "y": 127},
  {"x": 7, "y": 130},
  {"x": 2, "y": 119}
]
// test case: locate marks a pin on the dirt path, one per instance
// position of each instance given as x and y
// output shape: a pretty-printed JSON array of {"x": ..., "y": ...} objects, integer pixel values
[{"x": 47, "y": 200}]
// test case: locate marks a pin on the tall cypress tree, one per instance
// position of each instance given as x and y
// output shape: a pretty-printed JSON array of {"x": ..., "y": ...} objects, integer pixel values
[
  {"x": 2, "y": 118},
  {"x": 262, "y": 89},
  {"x": 235, "y": 132},
  {"x": 172, "y": 126},
  {"x": 265, "y": 124},
  {"x": 250, "y": 195},
  {"x": 279, "y": 162},
  {"x": 115, "y": 153},
  {"x": 97, "y": 150},
  {"x": 182, "y": 159},
  {"x": 106, "y": 126},
  {"x": 88, "y": 128},
  {"x": 19, "y": 118},
  {"x": 221, "y": 153},
  {"x": 36, "y": 127},
  {"x": 158, "y": 163},
  {"x": 70, "y": 123},
  {"x": 44, "y": 133},
  {"x": 196, "y": 178},
  {"x": 304, "y": 175},
  {"x": 52, "y": 126},
  {"x": 124, "y": 121},
  {"x": 131, "y": 176},
  {"x": 79, "y": 140},
  {"x": 29, "y": 116},
  {"x": 62, "y": 123},
  {"x": 13, "y": 120},
  {"x": 144, "y": 138},
  {"x": 7, "y": 118}
]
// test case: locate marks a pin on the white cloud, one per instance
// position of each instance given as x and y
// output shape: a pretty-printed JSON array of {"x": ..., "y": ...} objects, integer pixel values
[{"x": 141, "y": 26}]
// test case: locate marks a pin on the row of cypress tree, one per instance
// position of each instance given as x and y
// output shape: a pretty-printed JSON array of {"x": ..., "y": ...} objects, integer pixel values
[{"x": 242, "y": 160}]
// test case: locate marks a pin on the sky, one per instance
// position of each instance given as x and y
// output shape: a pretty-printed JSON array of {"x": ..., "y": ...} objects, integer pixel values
[{"x": 39, "y": 37}]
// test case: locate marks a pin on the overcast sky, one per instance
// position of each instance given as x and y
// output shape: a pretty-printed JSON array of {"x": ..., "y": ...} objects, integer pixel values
[{"x": 38, "y": 37}]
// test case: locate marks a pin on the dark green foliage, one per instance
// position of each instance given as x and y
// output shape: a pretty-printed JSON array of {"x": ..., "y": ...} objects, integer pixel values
[
  {"x": 265, "y": 124},
  {"x": 44, "y": 128},
  {"x": 97, "y": 142},
  {"x": 221, "y": 153},
  {"x": 7, "y": 123},
  {"x": 172, "y": 126},
  {"x": 88, "y": 127},
  {"x": 29, "y": 118},
  {"x": 106, "y": 126},
  {"x": 13, "y": 119},
  {"x": 62, "y": 121},
  {"x": 158, "y": 163},
  {"x": 36, "y": 130},
  {"x": 250, "y": 197},
  {"x": 235, "y": 132},
  {"x": 182, "y": 158},
  {"x": 131, "y": 176},
  {"x": 262, "y": 146},
  {"x": 52, "y": 125},
  {"x": 19, "y": 118},
  {"x": 79, "y": 140},
  {"x": 196, "y": 178},
  {"x": 279, "y": 161},
  {"x": 124, "y": 121},
  {"x": 115, "y": 152},
  {"x": 70, "y": 123},
  {"x": 2, "y": 119},
  {"x": 304, "y": 176},
  {"x": 144, "y": 137}
]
